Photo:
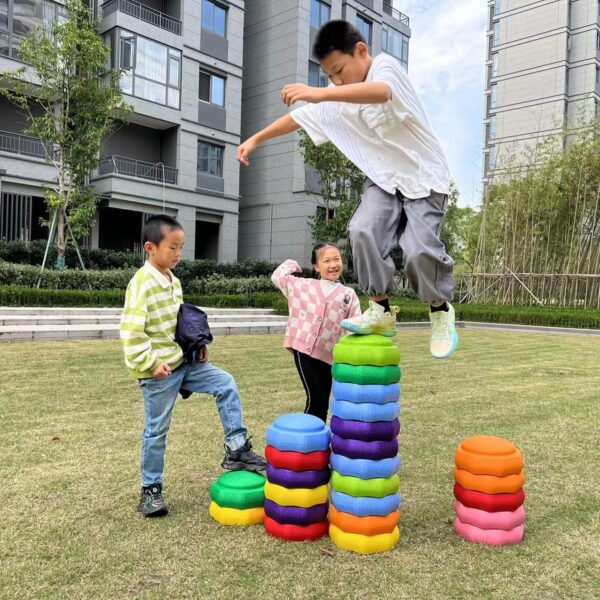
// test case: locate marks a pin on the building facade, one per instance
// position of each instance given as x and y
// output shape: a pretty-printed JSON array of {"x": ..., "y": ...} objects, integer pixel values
[
  {"x": 279, "y": 193},
  {"x": 181, "y": 65},
  {"x": 542, "y": 74}
]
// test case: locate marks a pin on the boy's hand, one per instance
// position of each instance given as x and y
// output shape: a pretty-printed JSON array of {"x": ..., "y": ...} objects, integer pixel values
[
  {"x": 243, "y": 151},
  {"x": 295, "y": 92},
  {"x": 203, "y": 356},
  {"x": 163, "y": 370}
]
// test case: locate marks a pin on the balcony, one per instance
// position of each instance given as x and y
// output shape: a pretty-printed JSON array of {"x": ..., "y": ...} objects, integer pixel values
[
  {"x": 24, "y": 145},
  {"x": 144, "y": 13},
  {"x": 388, "y": 9},
  {"x": 121, "y": 165}
]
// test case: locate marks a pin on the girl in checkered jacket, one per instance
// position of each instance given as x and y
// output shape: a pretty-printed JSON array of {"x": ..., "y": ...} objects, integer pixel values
[{"x": 317, "y": 308}]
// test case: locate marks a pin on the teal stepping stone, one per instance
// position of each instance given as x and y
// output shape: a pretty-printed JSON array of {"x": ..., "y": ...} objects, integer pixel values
[
  {"x": 373, "y": 488},
  {"x": 374, "y": 350},
  {"x": 239, "y": 489},
  {"x": 366, "y": 374}
]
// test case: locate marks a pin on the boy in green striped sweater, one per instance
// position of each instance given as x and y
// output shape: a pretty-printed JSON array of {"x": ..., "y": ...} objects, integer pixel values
[{"x": 156, "y": 361}]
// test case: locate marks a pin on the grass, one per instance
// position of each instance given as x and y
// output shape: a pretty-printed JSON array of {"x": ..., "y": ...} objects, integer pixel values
[{"x": 69, "y": 433}]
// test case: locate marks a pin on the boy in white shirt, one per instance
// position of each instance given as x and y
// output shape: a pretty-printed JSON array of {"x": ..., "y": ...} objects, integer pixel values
[{"x": 373, "y": 115}]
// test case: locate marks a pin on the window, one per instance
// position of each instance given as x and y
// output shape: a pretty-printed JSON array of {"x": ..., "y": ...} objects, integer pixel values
[
  {"x": 597, "y": 74},
  {"x": 366, "y": 28},
  {"x": 210, "y": 159},
  {"x": 598, "y": 40},
  {"x": 497, "y": 7},
  {"x": 395, "y": 43},
  {"x": 319, "y": 13},
  {"x": 214, "y": 17},
  {"x": 493, "y": 153},
  {"x": 211, "y": 88},
  {"x": 316, "y": 77},
  {"x": 496, "y": 33},
  {"x": 493, "y": 97},
  {"x": 492, "y": 130},
  {"x": 149, "y": 70},
  {"x": 495, "y": 64}
]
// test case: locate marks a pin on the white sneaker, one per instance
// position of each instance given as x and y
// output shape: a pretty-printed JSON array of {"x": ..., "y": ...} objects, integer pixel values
[
  {"x": 373, "y": 320},
  {"x": 444, "y": 338}
]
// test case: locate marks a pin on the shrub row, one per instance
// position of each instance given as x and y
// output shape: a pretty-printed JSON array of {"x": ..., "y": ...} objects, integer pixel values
[{"x": 409, "y": 310}]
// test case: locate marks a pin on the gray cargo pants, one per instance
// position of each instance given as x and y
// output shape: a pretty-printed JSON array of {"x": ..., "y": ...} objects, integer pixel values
[{"x": 384, "y": 221}]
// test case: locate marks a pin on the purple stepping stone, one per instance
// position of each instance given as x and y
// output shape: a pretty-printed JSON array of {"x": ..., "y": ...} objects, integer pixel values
[
  {"x": 296, "y": 515},
  {"x": 297, "y": 479},
  {"x": 365, "y": 431},
  {"x": 360, "y": 449}
]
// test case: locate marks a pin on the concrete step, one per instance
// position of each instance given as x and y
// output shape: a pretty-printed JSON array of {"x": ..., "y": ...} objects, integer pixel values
[
  {"x": 111, "y": 330},
  {"x": 52, "y": 310}
]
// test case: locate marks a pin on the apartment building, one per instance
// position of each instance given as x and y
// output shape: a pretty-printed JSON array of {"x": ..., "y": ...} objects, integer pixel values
[
  {"x": 181, "y": 65},
  {"x": 542, "y": 74},
  {"x": 278, "y": 192}
]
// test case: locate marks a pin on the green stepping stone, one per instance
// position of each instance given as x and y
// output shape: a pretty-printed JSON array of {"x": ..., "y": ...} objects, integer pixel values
[
  {"x": 373, "y": 488},
  {"x": 239, "y": 489},
  {"x": 366, "y": 374},
  {"x": 374, "y": 350}
]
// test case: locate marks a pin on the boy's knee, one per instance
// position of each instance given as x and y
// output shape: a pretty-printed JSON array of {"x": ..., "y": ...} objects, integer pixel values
[
  {"x": 360, "y": 234},
  {"x": 417, "y": 262}
]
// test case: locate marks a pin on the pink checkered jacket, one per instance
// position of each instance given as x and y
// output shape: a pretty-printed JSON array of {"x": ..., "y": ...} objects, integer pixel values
[{"x": 314, "y": 324}]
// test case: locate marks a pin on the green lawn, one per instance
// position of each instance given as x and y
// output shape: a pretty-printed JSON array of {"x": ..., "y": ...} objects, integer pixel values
[{"x": 69, "y": 439}]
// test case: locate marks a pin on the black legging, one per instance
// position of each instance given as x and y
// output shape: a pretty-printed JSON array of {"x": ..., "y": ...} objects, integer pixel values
[{"x": 316, "y": 379}]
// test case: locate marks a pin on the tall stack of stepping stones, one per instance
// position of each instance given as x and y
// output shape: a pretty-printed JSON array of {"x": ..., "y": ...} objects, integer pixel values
[
  {"x": 488, "y": 492},
  {"x": 298, "y": 472},
  {"x": 364, "y": 511},
  {"x": 237, "y": 498}
]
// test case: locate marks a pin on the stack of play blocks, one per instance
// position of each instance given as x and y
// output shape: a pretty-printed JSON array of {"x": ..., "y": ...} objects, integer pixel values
[
  {"x": 237, "y": 498},
  {"x": 364, "y": 510},
  {"x": 298, "y": 472},
  {"x": 488, "y": 491}
]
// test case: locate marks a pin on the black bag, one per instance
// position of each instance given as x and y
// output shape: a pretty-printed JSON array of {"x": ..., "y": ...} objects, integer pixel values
[{"x": 192, "y": 331}]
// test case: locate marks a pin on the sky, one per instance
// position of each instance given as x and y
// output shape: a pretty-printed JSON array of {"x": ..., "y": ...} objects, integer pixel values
[{"x": 446, "y": 64}]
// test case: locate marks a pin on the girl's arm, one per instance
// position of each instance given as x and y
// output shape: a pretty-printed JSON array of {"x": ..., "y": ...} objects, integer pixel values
[{"x": 283, "y": 278}]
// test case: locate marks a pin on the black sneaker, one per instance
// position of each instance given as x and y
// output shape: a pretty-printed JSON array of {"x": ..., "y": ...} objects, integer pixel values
[
  {"x": 152, "y": 503},
  {"x": 243, "y": 459}
]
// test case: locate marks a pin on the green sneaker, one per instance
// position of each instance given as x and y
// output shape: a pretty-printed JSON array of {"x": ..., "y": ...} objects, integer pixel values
[
  {"x": 444, "y": 338},
  {"x": 373, "y": 320}
]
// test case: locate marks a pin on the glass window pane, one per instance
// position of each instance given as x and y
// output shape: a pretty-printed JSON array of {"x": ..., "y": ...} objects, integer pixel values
[
  {"x": 219, "y": 18},
  {"x": 4, "y": 44},
  {"x": 173, "y": 97},
  {"x": 315, "y": 13},
  {"x": 151, "y": 60},
  {"x": 325, "y": 10},
  {"x": 207, "y": 15},
  {"x": 204, "y": 87},
  {"x": 126, "y": 82},
  {"x": 3, "y": 14},
  {"x": 218, "y": 90},
  {"x": 313, "y": 74},
  {"x": 127, "y": 52},
  {"x": 404, "y": 49},
  {"x": 174, "y": 72},
  {"x": 397, "y": 45},
  {"x": 27, "y": 15},
  {"x": 155, "y": 92},
  {"x": 384, "y": 38}
]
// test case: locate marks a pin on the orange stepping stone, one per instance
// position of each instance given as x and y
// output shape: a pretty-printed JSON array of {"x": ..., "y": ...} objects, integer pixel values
[
  {"x": 489, "y": 484},
  {"x": 372, "y": 525},
  {"x": 489, "y": 455}
]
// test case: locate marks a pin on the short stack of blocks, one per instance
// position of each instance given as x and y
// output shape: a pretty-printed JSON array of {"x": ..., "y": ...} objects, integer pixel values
[
  {"x": 237, "y": 498},
  {"x": 488, "y": 491},
  {"x": 298, "y": 472}
]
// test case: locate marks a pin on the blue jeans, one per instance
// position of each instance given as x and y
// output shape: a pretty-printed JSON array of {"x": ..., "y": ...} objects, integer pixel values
[{"x": 159, "y": 399}]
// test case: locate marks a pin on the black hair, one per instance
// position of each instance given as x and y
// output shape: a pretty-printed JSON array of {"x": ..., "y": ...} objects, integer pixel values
[
  {"x": 156, "y": 227},
  {"x": 314, "y": 257},
  {"x": 336, "y": 35}
]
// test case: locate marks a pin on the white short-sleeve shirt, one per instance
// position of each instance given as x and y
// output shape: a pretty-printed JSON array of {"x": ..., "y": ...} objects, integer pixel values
[{"x": 391, "y": 143}]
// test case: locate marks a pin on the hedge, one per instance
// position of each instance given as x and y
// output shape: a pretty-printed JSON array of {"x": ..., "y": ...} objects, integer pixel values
[{"x": 409, "y": 310}]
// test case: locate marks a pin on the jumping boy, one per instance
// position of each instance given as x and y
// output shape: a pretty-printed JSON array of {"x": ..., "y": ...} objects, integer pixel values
[
  {"x": 373, "y": 115},
  {"x": 154, "y": 358}
]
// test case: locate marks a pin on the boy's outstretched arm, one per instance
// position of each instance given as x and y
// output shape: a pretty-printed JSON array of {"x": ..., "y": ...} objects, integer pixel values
[
  {"x": 367, "y": 92},
  {"x": 282, "y": 126}
]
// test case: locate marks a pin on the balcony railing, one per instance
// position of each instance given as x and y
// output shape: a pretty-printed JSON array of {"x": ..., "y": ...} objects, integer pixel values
[
  {"x": 144, "y": 13},
  {"x": 388, "y": 9},
  {"x": 141, "y": 169},
  {"x": 24, "y": 145}
]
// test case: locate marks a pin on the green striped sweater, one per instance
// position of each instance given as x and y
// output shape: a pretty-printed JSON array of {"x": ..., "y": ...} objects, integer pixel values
[{"x": 149, "y": 320}]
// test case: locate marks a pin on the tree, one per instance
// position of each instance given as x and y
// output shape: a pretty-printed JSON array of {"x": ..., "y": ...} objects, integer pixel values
[
  {"x": 341, "y": 184},
  {"x": 69, "y": 96}
]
